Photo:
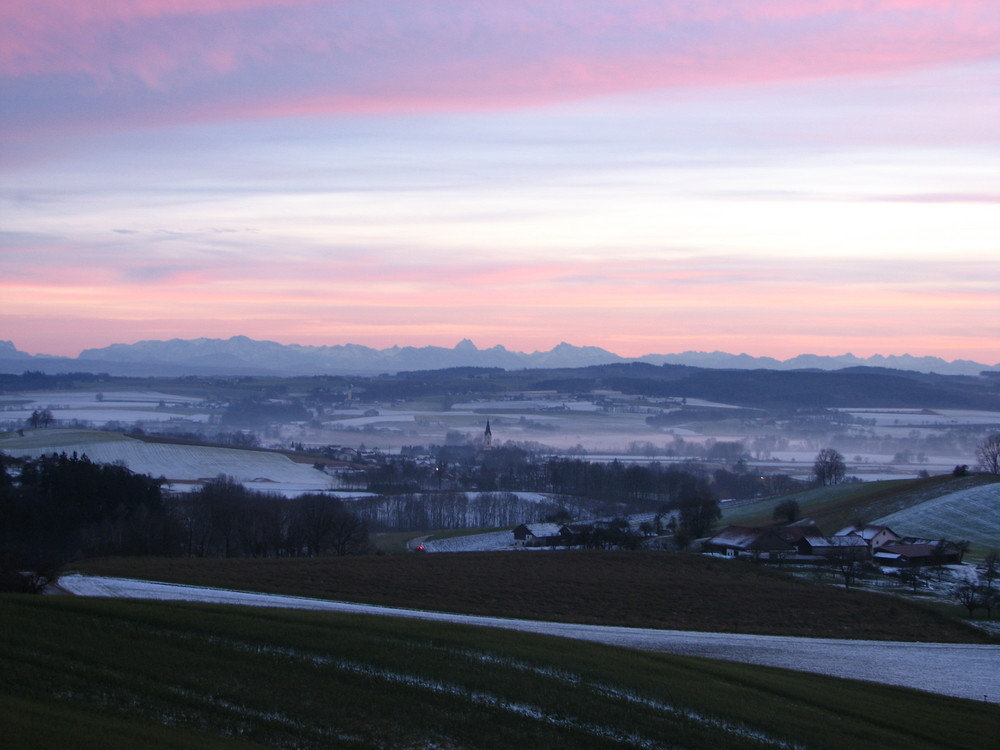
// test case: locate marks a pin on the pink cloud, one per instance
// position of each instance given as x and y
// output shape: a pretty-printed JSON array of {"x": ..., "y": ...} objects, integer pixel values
[
  {"x": 236, "y": 58},
  {"x": 777, "y": 307}
]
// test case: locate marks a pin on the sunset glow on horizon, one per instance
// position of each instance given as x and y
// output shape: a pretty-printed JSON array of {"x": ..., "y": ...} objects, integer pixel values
[{"x": 770, "y": 178}]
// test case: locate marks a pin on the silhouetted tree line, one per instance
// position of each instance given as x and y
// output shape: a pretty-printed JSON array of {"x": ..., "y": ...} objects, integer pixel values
[
  {"x": 449, "y": 510},
  {"x": 63, "y": 506},
  {"x": 505, "y": 470},
  {"x": 453, "y": 381},
  {"x": 616, "y": 481},
  {"x": 225, "y": 519},
  {"x": 615, "y": 486}
]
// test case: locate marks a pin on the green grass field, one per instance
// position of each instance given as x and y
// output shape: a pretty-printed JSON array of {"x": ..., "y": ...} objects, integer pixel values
[
  {"x": 832, "y": 508},
  {"x": 87, "y": 673}
]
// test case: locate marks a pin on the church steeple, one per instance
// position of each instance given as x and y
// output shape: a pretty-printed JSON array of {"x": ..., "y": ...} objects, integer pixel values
[{"x": 487, "y": 437}]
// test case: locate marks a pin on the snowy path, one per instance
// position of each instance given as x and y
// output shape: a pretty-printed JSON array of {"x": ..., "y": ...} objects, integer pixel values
[{"x": 962, "y": 670}]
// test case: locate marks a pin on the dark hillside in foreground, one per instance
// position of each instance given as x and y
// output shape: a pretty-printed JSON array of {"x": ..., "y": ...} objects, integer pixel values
[
  {"x": 655, "y": 590},
  {"x": 93, "y": 673}
]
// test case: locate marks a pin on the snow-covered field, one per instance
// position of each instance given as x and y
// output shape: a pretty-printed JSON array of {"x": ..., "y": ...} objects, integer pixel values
[
  {"x": 271, "y": 472},
  {"x": 961, "y": 670},
  {"x": 972, "y": 514},
  {"x": 79, "y": 399},
  {"x": 362, "y": 421},
  {"x": 98, "y": 414},
  {"x": 99, "y": 408},
  {"x": 527, "y": 405},
  {"x": 492, "y": 541}
]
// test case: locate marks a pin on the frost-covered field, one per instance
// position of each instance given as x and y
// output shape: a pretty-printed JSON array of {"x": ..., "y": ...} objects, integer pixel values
[
  {"x": 529, "y": 405},
  {"x": 362, "y": 421},
  {"x": 78, "y": 399},
  {"x": 260, "y": 470},
  {"x": 962, "y": 670},
  {"x": 99, "y": 414},
  {"x": 492, "y": 541},
  {"x": 972, "y": 514},
  {"x": 99, "y": 407}
]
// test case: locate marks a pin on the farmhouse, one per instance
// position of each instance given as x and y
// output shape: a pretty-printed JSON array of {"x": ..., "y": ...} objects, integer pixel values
[
  {"x": 738, "y": 541},
  {"x": 834, "y": 546},
  {"x": 874, "y": 536},
  {"x": 918, "y": 552},
  {"x": 541, "y": 535}
]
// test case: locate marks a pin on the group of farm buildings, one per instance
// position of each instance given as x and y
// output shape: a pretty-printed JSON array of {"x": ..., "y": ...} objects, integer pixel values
[{"x": 801, "y": 541}]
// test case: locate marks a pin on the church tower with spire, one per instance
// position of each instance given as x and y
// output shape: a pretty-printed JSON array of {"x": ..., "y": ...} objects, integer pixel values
[{"x": 487, "y": 437}]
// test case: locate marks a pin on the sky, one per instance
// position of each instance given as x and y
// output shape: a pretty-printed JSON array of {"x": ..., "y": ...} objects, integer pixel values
[{"x": 795, "y": 176}]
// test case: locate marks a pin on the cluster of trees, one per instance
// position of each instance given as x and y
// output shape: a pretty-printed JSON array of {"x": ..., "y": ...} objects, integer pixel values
[
  {"x": 829, "y": 467},
  {"x": 450, "y": 510},
  {"x": 688, "y": 496},
  {"x": 616, "y": 534},
  {"x": 643, "y": 486},
  {"x": 698, "y": 510},
  {"x": 787, "y": 511},
  {"x": 225, "y": 519},
  {"x": 981, "y": 594},
  {"x": 59, "y": 507},
  {"x": 40, "y": 418},
  {"x": 410, "y": 496},
  {"x": 953, "y": 440},
  {"x": 616, "y": 481}
]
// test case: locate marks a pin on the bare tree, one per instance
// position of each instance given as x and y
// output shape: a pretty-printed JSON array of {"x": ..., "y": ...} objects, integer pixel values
[
  {"x": 962, "y": 547},
  {"x": 990, "y": 600},
  {"x": 912, "y": 577},
  {"x": 988, "y": 453},
  {"x": 829, "y": 467},
  {"x": 322, "y": 525},
  {"x": 969, "y": 595},
  {"x": 848, "y": 561},
  {"x": 991, "y": 568},
  {"x": 348, "y": 534}
]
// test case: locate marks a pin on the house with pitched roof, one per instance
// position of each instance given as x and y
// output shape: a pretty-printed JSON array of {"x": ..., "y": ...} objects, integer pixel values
[
  {"x": 541, "y": 535},
  {"x": 918, "y": 552},
  {"x": 744, "y": 541},
  {"x": 874, "y": 536},
  {"x": 834, "y": 546}
]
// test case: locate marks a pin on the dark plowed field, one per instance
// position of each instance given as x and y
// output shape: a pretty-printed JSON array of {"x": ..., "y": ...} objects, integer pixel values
[{"x": 658, "y": 590}]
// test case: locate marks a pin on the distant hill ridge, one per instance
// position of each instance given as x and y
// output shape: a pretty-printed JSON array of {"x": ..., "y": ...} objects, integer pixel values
[{"x": 243, "y": 355}]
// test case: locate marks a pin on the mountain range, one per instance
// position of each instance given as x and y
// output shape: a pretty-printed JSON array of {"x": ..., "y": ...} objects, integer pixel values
[{"x": 241, "y": 355}]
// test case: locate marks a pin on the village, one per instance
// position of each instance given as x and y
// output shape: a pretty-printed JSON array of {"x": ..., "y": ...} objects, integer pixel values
[
  {"x": 871, "y": 552},
  {"x": 798, "y": 542}
]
